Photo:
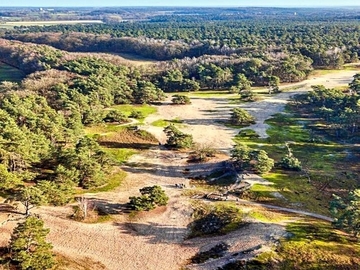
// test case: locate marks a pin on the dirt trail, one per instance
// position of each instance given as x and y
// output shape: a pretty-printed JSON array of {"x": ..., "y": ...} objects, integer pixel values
[{"x": 157, "y": 241}]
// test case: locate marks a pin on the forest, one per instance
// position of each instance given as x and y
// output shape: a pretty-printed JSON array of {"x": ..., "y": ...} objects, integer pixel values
[{"x": 73, "y": 78}]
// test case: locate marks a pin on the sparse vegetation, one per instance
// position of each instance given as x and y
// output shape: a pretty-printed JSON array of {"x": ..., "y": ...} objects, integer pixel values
[{"x": 215, "y": 219}]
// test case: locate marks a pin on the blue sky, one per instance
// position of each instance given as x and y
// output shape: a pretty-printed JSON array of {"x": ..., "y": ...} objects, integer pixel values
[{"x": 284, "y": 3}]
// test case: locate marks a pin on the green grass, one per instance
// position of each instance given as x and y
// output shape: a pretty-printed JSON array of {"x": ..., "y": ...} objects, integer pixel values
[
  {"x": 263, "y": 215},
  {"x": 316, "y": 245},
  {"x": 113, "y": 182},
  {"x": 211, "y": 94},
  {"x": 325, "y": 160},
  {"x": 145, "y": 109},
  {"x": 164, "y": 123},
  {"x": 9, "y": 73},
  {"x": 120, "y": 155}
]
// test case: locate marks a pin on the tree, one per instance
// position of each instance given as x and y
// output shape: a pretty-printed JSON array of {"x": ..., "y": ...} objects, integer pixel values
[
  {"x": 28, "y": 245},
  {"x": 246, "y": 158},
  {"x": 241, "y": 117},
  {"x": 273, "y": 84},
  {"x": 177, "y": 139},
  {"x": 31, "y": 197},
  {"x": 262, "y": 163},
  {"x": 241, "y": 82},
  {"x": 149, "y": 199},
  {"x": 346, "y": 212},
  {"x": 240, "y": 155}
]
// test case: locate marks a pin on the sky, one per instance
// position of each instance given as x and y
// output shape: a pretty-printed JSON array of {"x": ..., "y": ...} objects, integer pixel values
[{"x": 102, "y": 3}]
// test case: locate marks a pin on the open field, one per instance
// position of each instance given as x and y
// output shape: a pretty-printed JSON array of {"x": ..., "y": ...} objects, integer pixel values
[{"x": 46, "y": 23}]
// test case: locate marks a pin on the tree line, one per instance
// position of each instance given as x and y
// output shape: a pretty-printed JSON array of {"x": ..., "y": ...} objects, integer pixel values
[{"x": 328, "y": 43}]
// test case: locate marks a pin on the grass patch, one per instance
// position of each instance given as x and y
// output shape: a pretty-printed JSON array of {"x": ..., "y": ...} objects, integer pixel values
[
  {"x": 264, "y": 215},
  {"x": 263, "y": 192},
  {"x": 315, "y": 245},
  {"x": 164, "y": 123},
  {"x": 329, "y": 164},
  {"x": 212, "y": 94},
  {"x": 127, "y": 109},
  {"x": 120, "y": 155},
  {"x": 114, "y": 181}
]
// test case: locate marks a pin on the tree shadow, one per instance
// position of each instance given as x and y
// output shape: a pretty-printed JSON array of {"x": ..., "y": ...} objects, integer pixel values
[
  {"x": 104, "y": 207},
  {"x": 189, "y": 170},
  {"x": 114, "y": 144},
  {"x": 8, "y": 208},
  {"x": 156, "y": 233}
]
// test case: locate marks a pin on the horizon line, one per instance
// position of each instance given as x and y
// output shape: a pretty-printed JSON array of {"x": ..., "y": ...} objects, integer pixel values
[{"x": 210, "y": 6}]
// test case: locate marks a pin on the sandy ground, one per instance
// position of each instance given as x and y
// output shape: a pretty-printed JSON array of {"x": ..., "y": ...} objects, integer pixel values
[{"x": 157, "y": 240}]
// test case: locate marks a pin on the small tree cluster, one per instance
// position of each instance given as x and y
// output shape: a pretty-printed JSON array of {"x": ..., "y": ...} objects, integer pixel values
[
  {"x": 28, "y": 246},
  {"x": 346, "y": 212},
  {"x": 180, "y": 100},
  {"x": 246, "y": 158},
  {"x": 241, "y": 117},
  {"x": 177, "y": 139},
  {"x": 149, "y": 199},
  {"x": 115, "y": 116}
]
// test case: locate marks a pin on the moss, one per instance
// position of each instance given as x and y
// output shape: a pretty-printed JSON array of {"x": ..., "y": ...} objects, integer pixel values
[{"x": 315, "y": 245}]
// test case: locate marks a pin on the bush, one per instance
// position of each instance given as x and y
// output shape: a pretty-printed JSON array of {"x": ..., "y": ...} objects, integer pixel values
[
  {"x": 241, "y": 117},
  {"x": 149, "y": 199},
  {"x": 201, "y": 153},
  {"x": 181, "y": 100},
  {"x": 290, "y": 162},
  {"x": 136, "y": 115},
  {"x": 177, "y": 139}
]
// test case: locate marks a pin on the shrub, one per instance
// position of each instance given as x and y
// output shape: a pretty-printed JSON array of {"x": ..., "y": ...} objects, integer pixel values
[
  {"x": 241, "y": 117},
  {"x": 149, "y": 199},
  {"x": 136, "y": 115},
  {"x": 177, "y": 139},
  {"x": 180, "y": 100},
  {"x": 290, "y": 162}
]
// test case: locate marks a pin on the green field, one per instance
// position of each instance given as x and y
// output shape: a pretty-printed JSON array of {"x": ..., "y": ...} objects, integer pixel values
[
  {"x": 9, "y": 73},
  {"x": 46, "y": 23}
]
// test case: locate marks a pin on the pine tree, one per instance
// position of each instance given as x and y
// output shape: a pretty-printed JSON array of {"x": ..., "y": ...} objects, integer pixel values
[{"x": 28, "y": 245}]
